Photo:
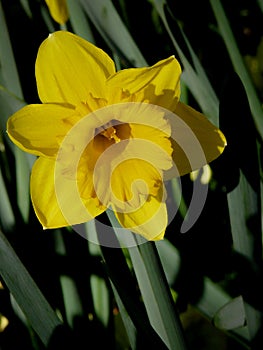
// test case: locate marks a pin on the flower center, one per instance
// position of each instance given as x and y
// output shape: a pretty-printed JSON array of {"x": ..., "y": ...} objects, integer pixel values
[
  {"x": 110, "y": 134},
  {"x": 109, "y": 130}
]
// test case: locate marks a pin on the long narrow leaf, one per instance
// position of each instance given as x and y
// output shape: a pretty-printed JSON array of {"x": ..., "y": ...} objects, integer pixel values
[
  {"x": 238, "y": 63},
  {"x": 194, "y": 77},
  {"x": 79, "y": 21},
  {"x": 109, "y": 24},
  {"x": 8, "y": 65},
  {"x": 244, "y": 199},
  {"x": 7, "y": 219},
  {"x": 26, "y": 293},
  {"x": 155, "y": 290},
  {"x": 128, "y": 324}
]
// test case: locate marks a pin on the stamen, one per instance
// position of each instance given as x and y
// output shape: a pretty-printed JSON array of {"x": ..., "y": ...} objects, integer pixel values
[{"x": 110, "y": 134}]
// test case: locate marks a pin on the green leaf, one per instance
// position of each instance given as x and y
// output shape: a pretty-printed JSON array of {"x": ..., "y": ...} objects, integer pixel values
[
  {"x": 238, "y": 63},
  {"x": 235, "y": 314},
  {"x": 242, "y": 204},
  {"x": 156, "y": 294},
  {"x": 177, "y": 196},
  {"x": 7, "y": 219},
  {"x": 11, "y": 99},
  {"x": 9, "y": 75},
  {"x": 243, "y": 200},
  {"x": 170, "y": 259},
  {"x": 26, "y": 293},
  {"x": 127, "y": 322},
  {"x": 213, "y": 298},
  {"x": 154, "y": 289},
  {"x": 217, "y": 304},
  {"x": 232, "y": 315},
  {"x": 23, "y": 170},
  {"x": 101, "y": 300},
  {"x": 79, "y": 20},
  {"x": 9, "y": 104},
  {"x": 193, "y": 76},
  {"x": 109, "y": 24},
  {"x": 71, "y": 298},
  {"x": 91, "y": 236},
  {"x": 125, "y": 283},
  {"x": 26, "y": 7},
  {"x": 47, "y": 18}
]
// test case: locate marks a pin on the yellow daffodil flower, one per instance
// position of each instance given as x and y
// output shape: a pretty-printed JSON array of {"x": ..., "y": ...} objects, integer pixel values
[
  {"x": 58, "y": 10},
  {"x": 107, "y": 139}
]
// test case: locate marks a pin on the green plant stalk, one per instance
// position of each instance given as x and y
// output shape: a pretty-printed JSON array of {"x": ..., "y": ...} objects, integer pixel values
[
  {"x": 37, "y": 310},
  {"x": 154, "y": 289},
  {"x": 238, "y": 63},
  {"x": 22, "y": 181},
  {"x": 156, "y": 294}
]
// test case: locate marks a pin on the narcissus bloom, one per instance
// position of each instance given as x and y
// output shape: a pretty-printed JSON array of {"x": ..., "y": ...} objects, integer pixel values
[
  {"x": 108, "y": 139},
  {"x": 58, "y": 10}
]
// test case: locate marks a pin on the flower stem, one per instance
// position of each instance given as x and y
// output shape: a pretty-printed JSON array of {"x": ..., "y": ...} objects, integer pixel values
[
  {"x": 156, "y": 294},
  {"x": 154, "y": 287}
]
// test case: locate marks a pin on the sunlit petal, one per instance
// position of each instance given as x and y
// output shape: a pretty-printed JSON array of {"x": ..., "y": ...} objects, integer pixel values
[
  {"x": 195, "y": 140},
  {"x": 37, "y": 129},
  {"x": 45, "y": 202},
  {"x": 69, "y": 68},
  {"x": 132, "y": 179},
  {"x": 150, "y": 220},
  {"x": 127, "y": 169},
  {"x": 158, "y": 84},
  {"x": 53, "y": 204},
  {"x": 150, "y": 134}
]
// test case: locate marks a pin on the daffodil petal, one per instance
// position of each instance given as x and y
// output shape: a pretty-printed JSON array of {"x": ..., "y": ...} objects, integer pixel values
[
  {"x": 150, "y": 220},
  {"x": 69, "y": 68},
  {"x": 58, "y": 10},
  {"x": 143, "y": 121},
  {"x": 133, "y": 179},
  {"x": 43, "y": 194},
  {"x": 38, "y": 128},
  {"x": 195, "y": 141},
  {"x": 155, "y": 136},
  {"x": 52, "y": 197},
  {"x": 158, "y": 84},
  {"x": 128, "y": 169}
]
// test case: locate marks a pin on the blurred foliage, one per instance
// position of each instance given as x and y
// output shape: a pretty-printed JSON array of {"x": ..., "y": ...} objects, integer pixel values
[{"x": 216, "y": 261}]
